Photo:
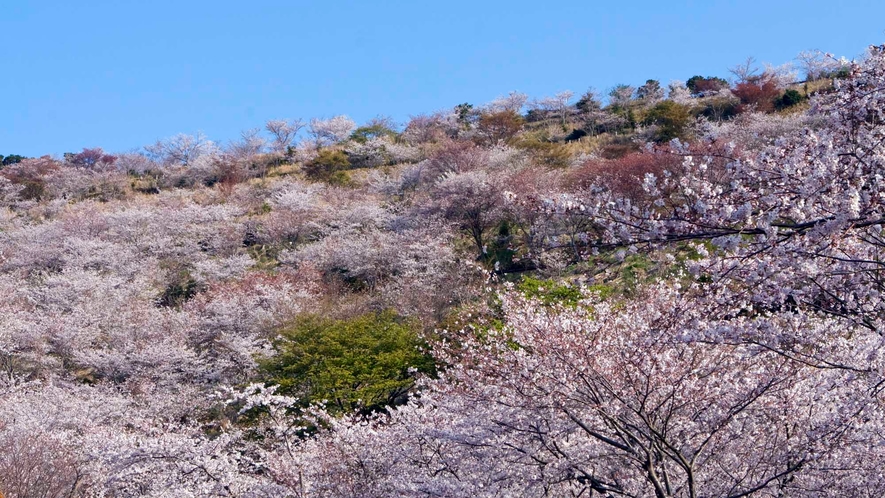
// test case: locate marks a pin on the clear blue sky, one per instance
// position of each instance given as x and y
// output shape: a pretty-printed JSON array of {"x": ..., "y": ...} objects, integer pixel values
[{"x": 120, "y": 74}]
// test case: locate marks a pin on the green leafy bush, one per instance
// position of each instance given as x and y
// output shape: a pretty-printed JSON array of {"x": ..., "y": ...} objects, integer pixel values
[
  {"x": 671, "y": 118},
  {"x": 180, "y": 288},
  {"x": 372, "y": 130},
  {"x": 329, "y": 166},
  {"x": 788, "y": 99},
  {"x": 363, "y": 363}
]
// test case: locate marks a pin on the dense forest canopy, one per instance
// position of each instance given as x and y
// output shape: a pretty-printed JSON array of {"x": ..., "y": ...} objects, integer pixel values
[{"x": 670, "y": 291}]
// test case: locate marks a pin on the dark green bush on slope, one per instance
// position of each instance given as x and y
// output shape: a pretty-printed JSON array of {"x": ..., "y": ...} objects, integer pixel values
[
  {"x": 363, "y": 363},
  {"x": 329, "y": 166}
]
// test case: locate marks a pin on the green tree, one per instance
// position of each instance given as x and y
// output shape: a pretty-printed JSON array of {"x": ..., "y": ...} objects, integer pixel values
[
  {"x": 651, "y": 91},
  {"x": 376, "y": 128},
  {"x": 11, "y": 159},
  {"x": 467, "y": 115},
  {"x": 363, "y": 363},
  {"x": 589, "y": 102}
]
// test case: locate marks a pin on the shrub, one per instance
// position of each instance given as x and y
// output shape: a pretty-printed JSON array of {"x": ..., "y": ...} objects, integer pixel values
[
  {"x": 760, "y": 92},
  {"x": 500, "y": 126},
  {"x": 671, "y": 118},
  {"x": 362, "y": 363},
  {"x": 329, "y": 166},
  {"x": 720, "y": 108},
  {"x": 575, "y": 135},
  {"x": 39, "y": 464},
  {"x": 618, "y": 146},
  {"x": 788, "y": 99},
  {"x": 180, "y": 288}
]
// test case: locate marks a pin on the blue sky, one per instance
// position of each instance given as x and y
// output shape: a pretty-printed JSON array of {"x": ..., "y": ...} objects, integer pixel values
[{"x": 121, "y": 74}]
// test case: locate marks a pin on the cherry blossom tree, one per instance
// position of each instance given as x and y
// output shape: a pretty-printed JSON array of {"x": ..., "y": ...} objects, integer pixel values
[
  {"x": 512, "y": 102},
  {"x": 330, "y": 131},
  {"x": 180, "y": 149},
  {"x": 678, "y": 92},
  {"x": 557, "y": 105},
  {"x": 621, "y": 95},
  {"x": 248, "y": 146},
  {"x": 472, "y": 200},
  {"x": 283, "y": 133},
  {"x": 650, "y": 92},
  {"x": 814, "y": 63}
]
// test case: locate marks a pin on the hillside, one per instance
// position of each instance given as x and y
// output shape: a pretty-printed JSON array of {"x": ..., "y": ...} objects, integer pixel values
[{"x": 661, "y": 293}]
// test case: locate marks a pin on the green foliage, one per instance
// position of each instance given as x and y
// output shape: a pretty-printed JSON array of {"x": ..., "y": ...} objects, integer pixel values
[
  {"x": 329, "y": 166},
  {"x": 604, "y": 291},
  {"x": 636, "y": 269},
  {"x": 11, "y": 159},
  {"x": 362, "y": 363},
  {"x": 499, "y": 251},
  {"x": 146, "y": 183},
  {"x": 181, "y": 288},
  {"x": 671, "y": 118},
  {"x": 650, "y": 90},
  {"x": 549, "y": 292},
  {"x": 618, "y": 275},
  {"x": 788, "y": 99},
  {"x": 265, "y": 256},
  {"x": 589, "y": 102},
  {"x": 373, "y": 130},
  {"x": 466, "y": 114}
]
